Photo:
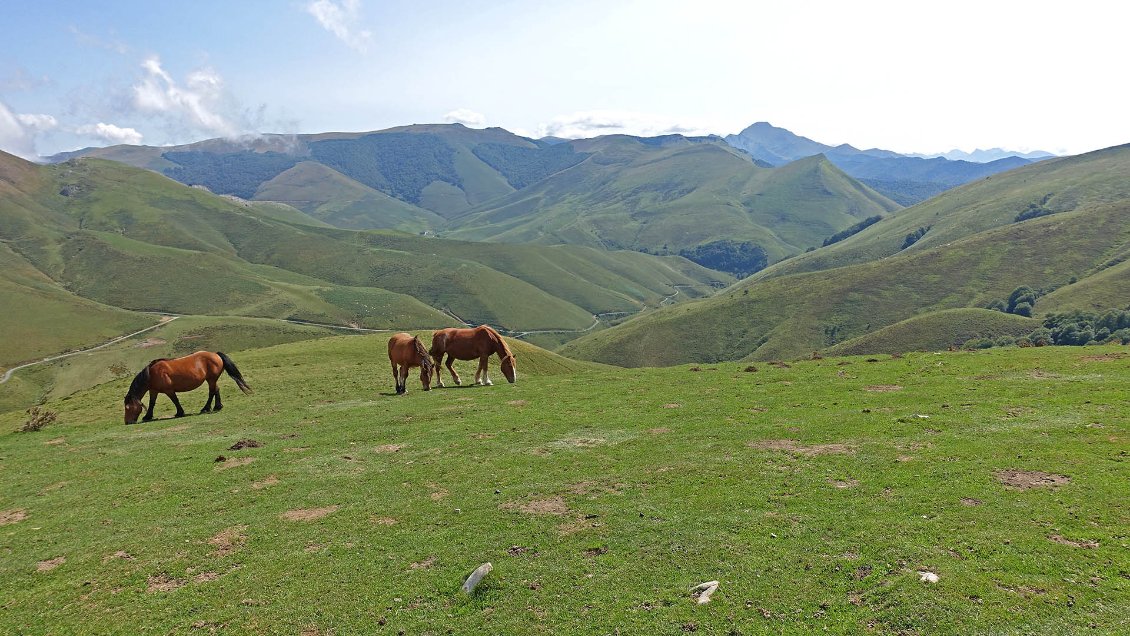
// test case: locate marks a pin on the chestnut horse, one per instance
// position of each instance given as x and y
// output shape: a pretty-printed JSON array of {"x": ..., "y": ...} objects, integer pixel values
[
  {"x": 407, "y": 351},
  {"x": 181, "y": 374},
  {"x": 468, "y": 344}
]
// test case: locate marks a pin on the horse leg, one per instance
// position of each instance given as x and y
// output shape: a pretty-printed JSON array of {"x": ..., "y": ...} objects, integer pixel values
[
  {"x": 176, "y": 403},
  {"x": 396, "y": 378},
  {"x": 454, "y": 375},
  {"x": 484, "y": 364},
  {"x": 438, "y": 366},
  {"x": 403, "y": 378},
  {"x": 152, "y": 401},
  {"x": 212, "y": 390},
  {"x": 218, "y": 406}
]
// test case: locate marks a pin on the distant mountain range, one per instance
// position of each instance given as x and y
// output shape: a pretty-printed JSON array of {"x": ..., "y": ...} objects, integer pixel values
[
  {"x": 985, "y": 156},
  {"x": 907, "y": 179}
]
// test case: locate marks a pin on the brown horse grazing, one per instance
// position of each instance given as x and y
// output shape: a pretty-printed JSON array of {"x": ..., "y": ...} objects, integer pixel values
[
  {"x": 177, "y": 375},
  {"x": 468, "y": 344},
  {"x": 406, "y": 350}
]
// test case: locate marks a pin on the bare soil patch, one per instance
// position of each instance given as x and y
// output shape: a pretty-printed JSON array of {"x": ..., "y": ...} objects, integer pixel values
[
  {"x": 1103, "y": 357},
  {"x": 162, "y": 583},
  {"x": 548, "y": 506},
  {"x": 232, "y": 462},
  {"x": 423, "y": 565},
  {"x": 120, "y": 554},
  {"x": 844, "y": 483},
  {"x": 382, "y": 521},
  {"x": 882, "y": 388},
  {"x": 795, "y": 447},
  {"x": 228, "y": 541},
  {"x": 389, "y": 448},
  {"x": 151, "y": 342},
  {"x": 308, "y": 514},
  {"x": 672, "y": 405},
  {"x": 971, "y": 501},
  {"x": 205, "y": 577},
  {"x": 12, "y": 516},
  {"x": 245, "y": 443},
  {"x": 50, "y": 564},
  {"x": 58, "y": 441},
  {"x": 1025, "y": 479},
  {"x": 658, "y": 430},
  {"x": 1090, "y": 545},
  {"x": 271, "y": 480}
]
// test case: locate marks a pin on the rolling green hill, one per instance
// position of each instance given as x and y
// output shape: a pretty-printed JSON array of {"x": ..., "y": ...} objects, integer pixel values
[
  {"x": 1052, "y": 186},
  {"x": 937, "y": 331},
  {"x": 131, "y": 239},
  {"x": 668, "y": 194},
  {"x": 787, "y": 315}
]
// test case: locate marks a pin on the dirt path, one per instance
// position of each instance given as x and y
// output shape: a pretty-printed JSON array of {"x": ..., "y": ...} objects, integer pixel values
[{"x": 8, "y": 374}]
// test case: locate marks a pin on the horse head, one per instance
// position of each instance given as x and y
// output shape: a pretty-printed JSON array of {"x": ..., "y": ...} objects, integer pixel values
[
  {"x": 508, "y": 369},
  {"x": 133, "y": 409}
]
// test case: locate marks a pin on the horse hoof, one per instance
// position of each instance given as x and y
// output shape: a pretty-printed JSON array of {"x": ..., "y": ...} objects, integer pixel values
[
  {"x": 147, "y": 418},
  {"x": 203, "y": 411},
  {"x": 179, "y": 415},
  {"x": 488, "y": 383}
]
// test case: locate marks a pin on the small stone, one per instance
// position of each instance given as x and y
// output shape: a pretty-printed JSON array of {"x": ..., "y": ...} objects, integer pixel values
[
  {"x": 476, "y": 577},
  {"x": 927, "y": 577}
]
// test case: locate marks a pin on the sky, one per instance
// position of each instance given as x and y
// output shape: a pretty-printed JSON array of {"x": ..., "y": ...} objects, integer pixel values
[{"x": 913, "y": 77}]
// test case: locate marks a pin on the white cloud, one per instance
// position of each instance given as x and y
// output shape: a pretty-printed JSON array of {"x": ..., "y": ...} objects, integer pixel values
[
  {"x": 466, "y": 117},
  {"x": 343, "y": 20},
  {"x": 194, "y": 105},
  {"x": 18, "y": 132},
  {"x": 111, "y": 133},
  {"x": 594, "y": 123},
  {"x": 37, "y": 123}
]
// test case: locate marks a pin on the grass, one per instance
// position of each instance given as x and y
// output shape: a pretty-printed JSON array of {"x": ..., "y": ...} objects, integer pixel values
[{"x": 814, "y": 494}]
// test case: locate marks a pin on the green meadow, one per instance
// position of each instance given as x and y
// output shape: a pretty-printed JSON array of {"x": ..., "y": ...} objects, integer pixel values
[{"x": 818, "y": 493}]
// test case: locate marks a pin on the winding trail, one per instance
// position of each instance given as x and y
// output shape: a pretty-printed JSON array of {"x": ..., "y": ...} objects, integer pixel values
[{"x": 8, "y": 374}]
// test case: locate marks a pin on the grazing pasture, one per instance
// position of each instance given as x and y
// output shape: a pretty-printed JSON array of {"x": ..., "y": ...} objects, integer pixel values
[{"x": 952, "y": 493}]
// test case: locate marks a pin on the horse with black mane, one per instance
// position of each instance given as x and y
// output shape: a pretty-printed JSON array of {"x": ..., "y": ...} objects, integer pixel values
[
  {"x": 467, "y": 344},
  {"x": 177, "y": 375},
  {"x": 407, "y": 351}
]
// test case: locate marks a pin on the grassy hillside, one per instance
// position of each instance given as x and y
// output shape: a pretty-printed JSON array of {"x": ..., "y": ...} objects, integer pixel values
[
  {"x": 132, "y": 239},
  {"x": 664, "y": 195},
  {"x": 816, "y": 495},
  {"x": 937, "y": 331},
  {"x": 791, "y": 316},
  {"x": 1055, "y": 186}
]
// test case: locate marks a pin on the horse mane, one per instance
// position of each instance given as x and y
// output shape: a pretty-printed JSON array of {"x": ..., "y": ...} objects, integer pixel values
[
  {"x": 500, "y": 343},
  {"x": 139, "y": 385},
  {"x": 425, "y": 357}
]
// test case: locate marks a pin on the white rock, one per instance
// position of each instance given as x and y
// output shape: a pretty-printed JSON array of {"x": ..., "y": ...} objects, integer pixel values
[
  {"x": 704, "y": 591},
  {"x": 927, "y": 577},
  {"x": 473, "y": 581}
]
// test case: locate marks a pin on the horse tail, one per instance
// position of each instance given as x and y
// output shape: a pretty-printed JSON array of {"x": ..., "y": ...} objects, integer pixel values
[
  {"x": 139, "y": 385},
  {"x": 233, "y": 371}
]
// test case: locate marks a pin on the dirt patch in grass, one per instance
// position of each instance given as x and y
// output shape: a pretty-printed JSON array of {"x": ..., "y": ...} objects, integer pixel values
[
  {"x": 308, "y": 514},
  {"x": 597, "y": 551},
  {"x": 795, "y": 447},
  {"x": 1103, "y": 357},
  {"x": 780, "y": 365},
  {"x": 50, "y": 564},
  {"x": 1025, "y": 479},
  {"x": 382, "y": 521},
  {"x": 271, "y": 480},
  {"x": 517, "y": 402},
  {"x": 389, "y": 448},
  {"x": 162, "y": 583},
  {"x": 519, "y": 550},
  {"x": 224, "y": 463},
  {"x": 548, "y": 506},
  {"x": 423, "y": 565},
  {"x": 1090, "y": 545},
  {"x": 228, "y": 541},
  {"x": 844, "y": 483},
  {"x": 578, "y": 442},
  {"x": 12, "y": 516},
  {"x": 438, "y": 492},
  {"x": 1040, "y": 374},
  {"x": 672, "y": 405},
  {"x": 151, "y": 342},
  {"x": 971, "y": 501},
  {"x": 120, "y": 554},
  {"x": 58, "y": 441},
  {"x": 205, "y": 577},
  {"x": 882, "y": 388},
  {"x": 659, "y": 430},
  {"x": 245, "y": 443}
]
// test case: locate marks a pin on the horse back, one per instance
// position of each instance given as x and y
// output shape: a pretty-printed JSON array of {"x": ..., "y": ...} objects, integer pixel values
[{"x": 184, "y": 373}]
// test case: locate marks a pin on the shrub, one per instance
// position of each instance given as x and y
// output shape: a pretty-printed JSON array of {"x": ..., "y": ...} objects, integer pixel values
[{"x": 37, "y": 418}]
